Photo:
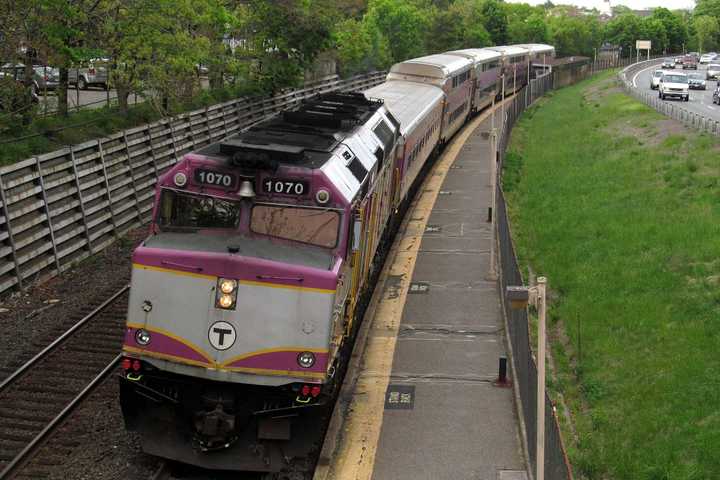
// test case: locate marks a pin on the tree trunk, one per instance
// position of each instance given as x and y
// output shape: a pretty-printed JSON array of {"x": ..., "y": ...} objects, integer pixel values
[
  {"x": 216, "y": 78},
  {"x": 123, "y": 93},
  {"x": 62, "y": 93}
]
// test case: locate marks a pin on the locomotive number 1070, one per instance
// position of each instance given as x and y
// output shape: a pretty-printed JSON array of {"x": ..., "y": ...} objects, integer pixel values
[
  {"x": 285, "y": 187},
  {"x": 217, "y": 179}
]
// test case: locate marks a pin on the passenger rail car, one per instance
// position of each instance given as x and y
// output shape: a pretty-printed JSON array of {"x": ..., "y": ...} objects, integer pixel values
[
  {"x": 540, "y": 57},
  {"x": 515, "y": 66},
  {"x": 486, "y": 75},
  {"x": 452, "y": 74},
  {"x": 246, "y": 295}
]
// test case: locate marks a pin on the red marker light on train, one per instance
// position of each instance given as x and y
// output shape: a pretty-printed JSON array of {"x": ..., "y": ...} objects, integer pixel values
[
  {"x": 305, "y": 390},
  {"x": 136, "y": 365},
  {"x": 126, "y": 364},
  {"x": 315, "y": 391}
]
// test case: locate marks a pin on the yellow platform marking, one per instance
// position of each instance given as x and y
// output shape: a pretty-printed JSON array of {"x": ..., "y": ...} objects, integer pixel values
[{"x": 354, "y": 457}]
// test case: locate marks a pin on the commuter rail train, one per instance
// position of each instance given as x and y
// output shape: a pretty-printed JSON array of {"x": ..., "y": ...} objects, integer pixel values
[{"x": 245, "y": 295}]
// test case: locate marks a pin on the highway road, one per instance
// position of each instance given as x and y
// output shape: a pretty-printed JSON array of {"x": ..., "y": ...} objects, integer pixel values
[{"x": 700, "y": 100}]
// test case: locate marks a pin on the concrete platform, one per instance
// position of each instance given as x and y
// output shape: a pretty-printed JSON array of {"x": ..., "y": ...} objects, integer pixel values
[{"x": 424, "y": 404}]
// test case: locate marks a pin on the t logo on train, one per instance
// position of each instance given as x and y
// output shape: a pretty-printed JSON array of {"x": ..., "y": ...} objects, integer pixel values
[{"x": 244, "y": 297}]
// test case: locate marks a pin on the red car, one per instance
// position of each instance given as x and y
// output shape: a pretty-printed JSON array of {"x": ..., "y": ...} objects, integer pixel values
[{"x": 689, "y": 62}]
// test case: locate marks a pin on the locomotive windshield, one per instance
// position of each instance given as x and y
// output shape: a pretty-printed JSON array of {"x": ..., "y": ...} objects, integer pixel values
[
  {"x": 185, "y": 212},
  {"x": 307, "y": 225}
]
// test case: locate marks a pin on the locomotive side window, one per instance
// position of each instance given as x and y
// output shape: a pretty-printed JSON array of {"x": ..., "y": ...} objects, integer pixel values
[
  {"x": 181, "y": 211},
  {"x": 385, "y": 134},
  {"x": 306, "y": 225}
]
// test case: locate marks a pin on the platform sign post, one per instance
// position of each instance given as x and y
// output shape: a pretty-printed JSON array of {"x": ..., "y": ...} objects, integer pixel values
[
  {"x": 643, "y": 45},
  {"x": 520, "y": 297}
]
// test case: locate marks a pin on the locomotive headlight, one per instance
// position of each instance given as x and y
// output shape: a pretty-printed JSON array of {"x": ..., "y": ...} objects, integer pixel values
[
  {"x": 225, "y": 301},
  {"x": 306, "y": 359},
  {"x": 227, "y": 286},
  {"x": 180, "y": 179},
  {"x": 226, "y": 293},
  {"x": 142, "y": 337}
]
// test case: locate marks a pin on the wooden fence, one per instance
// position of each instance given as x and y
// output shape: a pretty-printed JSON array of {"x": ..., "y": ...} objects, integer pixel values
[{"x": 61, "y": 207}]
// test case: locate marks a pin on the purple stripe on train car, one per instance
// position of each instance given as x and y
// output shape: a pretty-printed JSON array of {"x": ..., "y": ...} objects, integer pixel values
[
  {"x": 162, "y": 344},
  {"x": 282, "y": 361},
  {"x": 238, "y": 267}
]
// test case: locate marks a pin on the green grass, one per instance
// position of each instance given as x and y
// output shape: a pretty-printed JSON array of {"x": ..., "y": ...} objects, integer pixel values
[
  {"x": 621, "y": 211},
  {"x": 53, "y": 132}
]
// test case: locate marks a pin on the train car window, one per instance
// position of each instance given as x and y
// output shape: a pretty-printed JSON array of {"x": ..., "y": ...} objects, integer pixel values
[
  {"x": 385, "y": 134},
  {"x": 357, "y": 169},
  {"x": 186, "y": 212},
  {"x": 305, "y": 225}
]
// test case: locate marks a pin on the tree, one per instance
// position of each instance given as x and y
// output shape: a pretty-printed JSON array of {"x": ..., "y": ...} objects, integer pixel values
[
  {"x": 459, "y": 26},
  {"x": 706, "y": 32},
  {"x": 532, "y": 29},
  {"x": 707, "y": 7},
  {"x": 573, "y": 35},
  {"x": 654, "y": 30},
  {"x": 403, "y": 23},
  {"x": 624, "y": 31},
  {"x": 495, "y": 21},
  {"x": 284, "y": 38},
  {"x": 675, "y": 28}
]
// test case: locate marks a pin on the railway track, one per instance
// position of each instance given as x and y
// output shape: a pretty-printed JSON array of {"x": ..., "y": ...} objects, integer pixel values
[{"x": 44, "y": 391}]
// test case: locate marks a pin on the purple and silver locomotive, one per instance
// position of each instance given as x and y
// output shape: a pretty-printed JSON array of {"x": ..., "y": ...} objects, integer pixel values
[{"x": 245, "y": 291}]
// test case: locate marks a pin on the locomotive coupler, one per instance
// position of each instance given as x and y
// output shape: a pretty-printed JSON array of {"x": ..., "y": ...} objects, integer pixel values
[{"x": 215, "y": 429}]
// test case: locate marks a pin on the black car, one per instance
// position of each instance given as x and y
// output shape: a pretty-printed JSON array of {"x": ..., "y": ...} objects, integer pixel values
[{"x": 696, "y": 82}]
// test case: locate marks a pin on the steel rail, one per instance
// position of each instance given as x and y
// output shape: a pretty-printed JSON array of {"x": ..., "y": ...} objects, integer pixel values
[
  {"x": 39, "y": 356},
  {"x": 23, "y": 455}
]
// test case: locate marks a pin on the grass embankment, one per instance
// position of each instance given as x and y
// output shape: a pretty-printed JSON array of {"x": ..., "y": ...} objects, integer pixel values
[
  {"x": 18, "y": 141},
  {"x": 620, "y": 208}
]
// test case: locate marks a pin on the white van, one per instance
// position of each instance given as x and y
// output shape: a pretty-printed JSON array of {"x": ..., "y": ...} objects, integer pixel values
[{"x": 674, "y": 85}]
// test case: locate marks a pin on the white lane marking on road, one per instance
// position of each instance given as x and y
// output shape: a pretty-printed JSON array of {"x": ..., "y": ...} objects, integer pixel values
[
  {"x": 711, "y": 108},
  {"x": 641, "y": 71}
]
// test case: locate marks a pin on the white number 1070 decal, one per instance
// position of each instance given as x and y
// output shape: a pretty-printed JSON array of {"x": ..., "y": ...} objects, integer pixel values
[{"x": 286, "y": 187}]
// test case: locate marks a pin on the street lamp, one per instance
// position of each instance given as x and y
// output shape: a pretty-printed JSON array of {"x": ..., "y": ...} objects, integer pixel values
[{"x": 520, "y": 298}]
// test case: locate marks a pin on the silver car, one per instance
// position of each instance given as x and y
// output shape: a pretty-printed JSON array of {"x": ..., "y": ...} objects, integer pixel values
[
  {"x": 93, "y": 73},
  {"x": 713, "y": 71},
  {"x": 46, "y": 78}
]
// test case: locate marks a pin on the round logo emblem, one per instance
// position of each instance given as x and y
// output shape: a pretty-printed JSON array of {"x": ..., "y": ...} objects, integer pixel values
[{"x": 221, "y": 335}]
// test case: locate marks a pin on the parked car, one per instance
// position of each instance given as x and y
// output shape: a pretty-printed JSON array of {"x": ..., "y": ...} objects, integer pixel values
[
  {"x": 678, "y": 60},
  {"x": 46, "y": 78},
  {"x": 674, "y": 85},
  {"x": 689, "y": 62},
  {"x": 668, "y": 63},
  {"x": 713, "y": 71},
  {"x": 707, "y": 57},
  {"x": 16, "y": 72},
  {"x": 655, "y": 79},
  {"x": 92, "y": 73},
  {"x": 716, "y": 96},
  {"x": 696, "y": 81}
]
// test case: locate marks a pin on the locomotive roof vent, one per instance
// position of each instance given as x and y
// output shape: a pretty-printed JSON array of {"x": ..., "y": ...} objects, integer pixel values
[
  {"x": 306, "y": 135},
  {"x": 337, "y": 111}
]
